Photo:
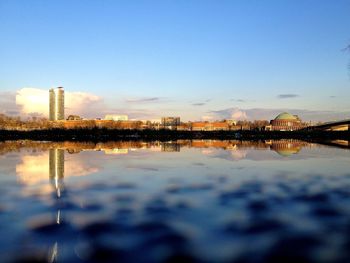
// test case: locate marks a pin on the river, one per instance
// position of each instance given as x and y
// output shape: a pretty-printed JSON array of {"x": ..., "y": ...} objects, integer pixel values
[{"x": 182, "y": 201}]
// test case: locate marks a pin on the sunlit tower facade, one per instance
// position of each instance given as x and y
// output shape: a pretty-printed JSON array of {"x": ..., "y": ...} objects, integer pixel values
[{"x": 56, "y": 104}]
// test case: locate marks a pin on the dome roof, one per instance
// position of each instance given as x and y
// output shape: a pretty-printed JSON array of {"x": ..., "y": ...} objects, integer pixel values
[{"x": 285, "y": 116}]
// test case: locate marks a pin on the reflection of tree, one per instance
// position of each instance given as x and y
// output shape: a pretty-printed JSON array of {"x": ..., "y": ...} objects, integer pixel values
[{"x": 75, "y": 147}]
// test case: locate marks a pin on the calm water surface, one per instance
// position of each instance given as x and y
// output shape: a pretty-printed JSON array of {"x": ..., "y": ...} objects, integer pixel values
[{"x": 185, "y": 201}]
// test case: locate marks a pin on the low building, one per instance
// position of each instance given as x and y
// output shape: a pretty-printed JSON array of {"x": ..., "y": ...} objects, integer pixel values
[
  {"x": 210, "y": 126},
  {"x": 184, "y": 127},
  {"x": 199, "y": 126},
  {"x": 285, "y": 122},
  {"x": 220, "y": 126},
  {"x": 74, "y": 118},
  {"x": 112, "y": 117},
  {"x": 170, "y": 122}
]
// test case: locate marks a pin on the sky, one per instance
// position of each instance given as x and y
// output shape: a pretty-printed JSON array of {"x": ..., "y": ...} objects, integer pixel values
[{"x": 197, "y": 59}]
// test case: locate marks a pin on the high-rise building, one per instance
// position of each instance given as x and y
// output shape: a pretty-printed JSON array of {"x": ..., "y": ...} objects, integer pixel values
[{"x": 56, "y": 104}]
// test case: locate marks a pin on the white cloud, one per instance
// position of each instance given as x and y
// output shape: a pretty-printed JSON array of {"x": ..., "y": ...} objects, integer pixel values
[
  {"x": 238, "y": 115},
  {"x": 33, "y": 101},
  {"x": 35, "y": 168},
  {"x": 269, "y": 114},
  {"x": 231, "y": 113},
  {"x": 143, "y": 100},
  {"x": 139, "y": 113},
  {"x": 81, "y": 103},
  {"x": 7, "y": 103},
  {"x": 207, "y": 118}
]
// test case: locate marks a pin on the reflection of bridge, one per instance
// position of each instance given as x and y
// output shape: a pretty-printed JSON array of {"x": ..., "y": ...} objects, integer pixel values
[
  {"x": 332, "y": 126},
  {"x": 337, "y": 143}
]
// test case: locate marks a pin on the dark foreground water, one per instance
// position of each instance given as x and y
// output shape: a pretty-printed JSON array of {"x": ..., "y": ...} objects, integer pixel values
[{"x": 186, "y": 201}]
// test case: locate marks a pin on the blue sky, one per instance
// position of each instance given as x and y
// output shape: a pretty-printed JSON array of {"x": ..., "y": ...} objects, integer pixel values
[{"x": 195, "y": 59}]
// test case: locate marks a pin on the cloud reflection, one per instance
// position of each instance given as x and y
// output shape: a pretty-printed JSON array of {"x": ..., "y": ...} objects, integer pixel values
[{"x": 34, "y": 169}]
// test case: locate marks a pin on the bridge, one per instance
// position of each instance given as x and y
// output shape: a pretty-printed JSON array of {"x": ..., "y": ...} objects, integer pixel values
[{"x": 342, "y": 125}]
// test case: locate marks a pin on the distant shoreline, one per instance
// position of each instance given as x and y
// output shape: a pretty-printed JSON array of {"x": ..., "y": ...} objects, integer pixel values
[{"x": 165, "y": 135}]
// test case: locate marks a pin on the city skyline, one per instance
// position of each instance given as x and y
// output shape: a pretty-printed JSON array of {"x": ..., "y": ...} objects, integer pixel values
[
  {"x": 197, "y": 60},
  {"x": 82, "y": 104}
]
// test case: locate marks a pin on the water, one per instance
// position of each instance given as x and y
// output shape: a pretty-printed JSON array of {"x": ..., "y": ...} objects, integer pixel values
[{"x": 185, "y": 201}]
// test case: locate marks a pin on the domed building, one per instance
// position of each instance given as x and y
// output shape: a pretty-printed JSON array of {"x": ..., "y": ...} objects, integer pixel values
[{"x": 285, "y": 122}]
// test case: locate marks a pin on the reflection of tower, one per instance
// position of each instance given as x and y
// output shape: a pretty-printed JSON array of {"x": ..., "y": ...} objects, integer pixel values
[
  {"x": 56, "y": 167},
  {"x": 56, "y": 104},
  {"x": 56, "y": 173}
]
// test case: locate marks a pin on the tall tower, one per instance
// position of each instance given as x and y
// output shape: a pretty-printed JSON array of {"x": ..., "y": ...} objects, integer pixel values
[
  {"x": 60, "y": 103},
  {"x": 56, "y": 104},
  {"x": 52, "y": 104}
]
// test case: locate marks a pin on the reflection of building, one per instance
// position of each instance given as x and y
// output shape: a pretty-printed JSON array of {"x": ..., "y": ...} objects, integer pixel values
[
  {"x": 56, "y": 104},
  {"x": 111, "y": 117},
  {"x": 116, "y": 151},
  {"x": 170, "y": 122},
  {"x": 184, "y": 127},
  {"x": 287, "y": 147},
  {"x": 56, "y": 169},
  {"x": 170, "y": 147},
  {"x": 285, "y": 122}
]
